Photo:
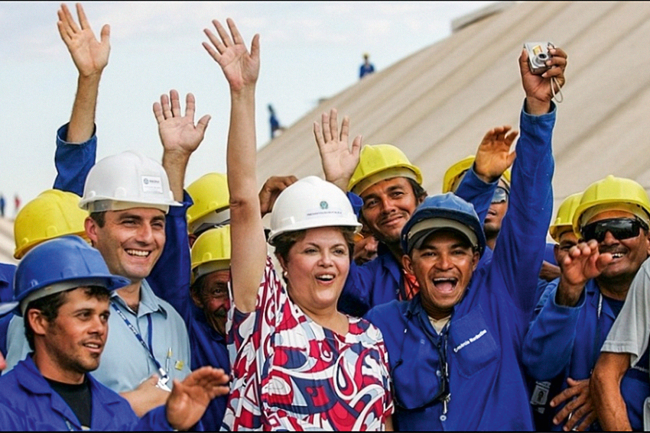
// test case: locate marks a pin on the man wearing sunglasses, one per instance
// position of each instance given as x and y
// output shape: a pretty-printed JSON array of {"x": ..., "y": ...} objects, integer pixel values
[{"x": 576, "y": 312}]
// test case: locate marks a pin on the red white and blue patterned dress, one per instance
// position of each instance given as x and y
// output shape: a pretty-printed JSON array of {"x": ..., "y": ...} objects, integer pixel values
[{"x": 289, "y": 373}]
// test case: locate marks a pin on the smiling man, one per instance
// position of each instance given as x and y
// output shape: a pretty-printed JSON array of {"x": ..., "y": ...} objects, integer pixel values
[
  {"x": 454, "y": 348},
  {"x": 386, "y": 189},
  {"x": 63, "y": 288},
  {"x": 128, "y": 196},
  {"x": 576, "y": 312}
]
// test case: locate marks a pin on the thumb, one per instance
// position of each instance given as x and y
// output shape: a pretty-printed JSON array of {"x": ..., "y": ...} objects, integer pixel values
[
  {"x": 572, "y": 382},
  {"x": 202, "y": 125},
  {"x": 105, "y": 34}
]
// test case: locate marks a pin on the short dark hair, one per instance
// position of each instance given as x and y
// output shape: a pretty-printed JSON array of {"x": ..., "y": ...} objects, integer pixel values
[
  {"x": 418, "y": 191},
  {"x": 49, "y": 307},
  {"x": 198, "y": 285},
  {"x": 99, "y": 218}
]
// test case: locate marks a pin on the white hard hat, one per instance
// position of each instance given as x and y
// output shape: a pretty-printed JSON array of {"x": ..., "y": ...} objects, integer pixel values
[
  {"x": 124, "y": 181},
  {"x": 308, "y": 203}
]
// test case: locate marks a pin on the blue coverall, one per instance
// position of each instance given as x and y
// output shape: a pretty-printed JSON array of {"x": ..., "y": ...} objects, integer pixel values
[
  {"x": 26, "y": 390},
  {"x": 565, "y": 342},
  {"x": 7, "y": 271},
  {"x": 479, "y": 348}
]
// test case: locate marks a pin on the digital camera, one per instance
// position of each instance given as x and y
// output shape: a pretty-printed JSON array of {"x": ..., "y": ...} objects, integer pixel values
[{"x": 538, "y": 55}]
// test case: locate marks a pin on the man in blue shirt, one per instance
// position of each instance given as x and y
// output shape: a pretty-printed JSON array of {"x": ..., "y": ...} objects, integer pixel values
[
  {"x": 454, "y": 348},
  {"x": 63, "y": 287},
  {"x": 576, "y": 311}
]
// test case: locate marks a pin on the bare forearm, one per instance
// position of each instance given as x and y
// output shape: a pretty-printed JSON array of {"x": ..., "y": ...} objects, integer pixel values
[
  {"x": 537, "y": 107},
  {"x": 242, "y": 148},
  {"x": 606, "y": 391},
  {"x": 82, "y": 119},
  {"x": 142, "y": 402},
  {"x": 175, "y": 164},
  {"x": 248, "y": 246}
]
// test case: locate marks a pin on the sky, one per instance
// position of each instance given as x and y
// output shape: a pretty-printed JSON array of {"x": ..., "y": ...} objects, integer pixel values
[{"x": 309, "y": 51}]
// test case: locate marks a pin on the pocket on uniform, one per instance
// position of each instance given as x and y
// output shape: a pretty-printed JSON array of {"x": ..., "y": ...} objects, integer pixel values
[{"x": 472, "y": 344}]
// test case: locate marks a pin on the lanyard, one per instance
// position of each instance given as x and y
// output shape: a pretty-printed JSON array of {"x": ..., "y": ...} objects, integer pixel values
[
  {"x": 164, "y": 378},
  {"x": 596, "y": 351}
]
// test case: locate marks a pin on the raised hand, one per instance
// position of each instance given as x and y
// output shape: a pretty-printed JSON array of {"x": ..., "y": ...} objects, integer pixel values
[
  {"x": 584, "y": 262},
  {"x": 538, "y": 87},
  {"x": 338, "y": 158},
  {"x": 89, "y": 55},
  {"x": 189, "y": 398},
  {"x": 178, "y": 133},
  {"x": 240, "y": 67},
  {"x": 271, "y": 189},
  {"x": 493, "y": 156}
]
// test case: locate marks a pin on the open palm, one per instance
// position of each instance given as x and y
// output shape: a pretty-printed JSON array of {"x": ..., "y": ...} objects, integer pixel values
[{"x": 240, "y": 67}]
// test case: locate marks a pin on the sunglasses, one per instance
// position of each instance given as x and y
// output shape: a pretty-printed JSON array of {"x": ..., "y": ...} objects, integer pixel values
[
  {"x": 620, "y": 228},
  {"x": 500, "y": 195}
]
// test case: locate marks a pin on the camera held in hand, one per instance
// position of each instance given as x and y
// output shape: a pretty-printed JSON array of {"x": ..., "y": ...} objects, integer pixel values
[{"x": 538, "y": 55}]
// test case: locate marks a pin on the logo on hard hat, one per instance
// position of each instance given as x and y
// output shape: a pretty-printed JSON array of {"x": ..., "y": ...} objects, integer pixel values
[
  {"x": 323, "y": 205},
  {"x": 152, "y": 184}
]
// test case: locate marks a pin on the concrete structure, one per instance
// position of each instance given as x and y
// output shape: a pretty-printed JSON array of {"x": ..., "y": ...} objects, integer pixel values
[{"x": 437, "y": 104}]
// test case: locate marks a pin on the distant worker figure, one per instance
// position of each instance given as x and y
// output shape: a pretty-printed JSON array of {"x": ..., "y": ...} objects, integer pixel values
[
  {"x": 275, "y": 123},
  {"x": 16, "y": 204},
  {"x": 366, "y": 67},
  {"x": 2, "y": 206}
]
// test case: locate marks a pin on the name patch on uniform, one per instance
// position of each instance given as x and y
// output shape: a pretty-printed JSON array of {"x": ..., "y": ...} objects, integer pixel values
[{"x": 471, "y": 340}]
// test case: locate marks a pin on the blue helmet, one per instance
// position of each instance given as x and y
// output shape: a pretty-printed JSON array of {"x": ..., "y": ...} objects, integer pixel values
[
  {"x": 61, "y": 264},
  {"x": 443, "y": 211}
]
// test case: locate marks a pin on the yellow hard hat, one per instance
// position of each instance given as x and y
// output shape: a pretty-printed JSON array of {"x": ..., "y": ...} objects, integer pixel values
[
  {"x": 611, "y": 193},
  {"x": 211, "y": 251},
  {"x": 51, "y": 214},
  {"x": 210, "y": 196},
  {"x": 454, "y": 174},
  {"x": 380, "y": 162},
  {"x": 564, "y": 217}
]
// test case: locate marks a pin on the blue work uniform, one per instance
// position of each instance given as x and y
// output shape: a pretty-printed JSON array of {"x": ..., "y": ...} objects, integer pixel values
[
  {"x": 26, "y": 390},
  {"x": 381, "y": 280},
  {"x": 7, "y": 271},
  {"x": 207, "y": 345},
  {"x": 469, "y": 377},
  {"x": 564, "y": 342},
  {"x": 366, "y": 69}
]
